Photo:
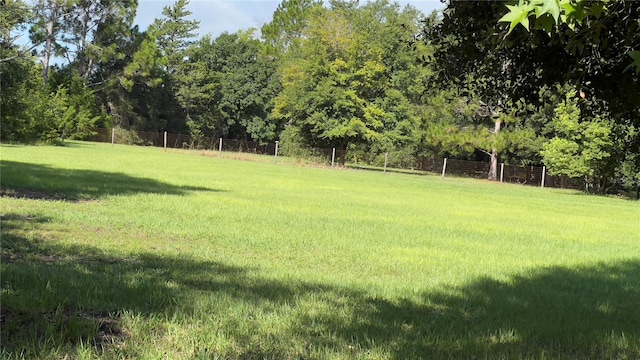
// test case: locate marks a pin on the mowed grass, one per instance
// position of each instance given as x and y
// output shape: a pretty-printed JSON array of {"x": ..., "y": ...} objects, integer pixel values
[{"x": 132, "y": 252}]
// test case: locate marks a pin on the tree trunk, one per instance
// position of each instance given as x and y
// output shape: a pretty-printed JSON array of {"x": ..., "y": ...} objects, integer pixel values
[
  {"x": 81, "y": 51},
  {"x": 493, "y": 169},
  {"x": 343, "y": 152},
  {"x": 53, "y": 9}
]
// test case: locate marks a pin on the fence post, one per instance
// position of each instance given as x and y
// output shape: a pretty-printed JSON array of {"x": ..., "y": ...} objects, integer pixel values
[
  {"x": 501, "y": 172},
  {"x": 276, "y": 154},
  {"x": 220, "y": 148},
  {"x": 386, "y": 156},
  {"x": 544, "y": 174},
  {"x": 165, "y": 141},
  {"x": 113, "y": 136},
  {"x": 333, "y": 157},
  {"x": 444, "y": 168}
]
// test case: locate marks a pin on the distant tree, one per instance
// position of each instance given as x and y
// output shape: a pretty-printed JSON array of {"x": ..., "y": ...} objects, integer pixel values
[
  {"x": 600, "y": 43},
  {"x": 16, "y": 65},
  {"x": 127, "y": 109},
  {"x": 581, "y": 147},
  {"x": 346, "y": 85},
  {"x": 14, "y": 15},
  {"x": 320, "y": 97},
  {"x": 16, "y": 78},
  {"x": 173, "y": 34},
  {"x": 48, "y": 16},
  {"x": 494, "y": 78},
  {"x": 157, "y": 65},
  {"x": 196, "y": 90},
  {"x": 289, "y": 21},
  {"x": 228, "y": 86},
  {"x": 74, "y": 29}
]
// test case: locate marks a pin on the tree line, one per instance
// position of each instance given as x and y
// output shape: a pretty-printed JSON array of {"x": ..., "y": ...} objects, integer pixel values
[{"x": 537, "y": 82}]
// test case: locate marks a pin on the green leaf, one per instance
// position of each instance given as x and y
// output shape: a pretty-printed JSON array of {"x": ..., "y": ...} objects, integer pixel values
[
  {"x": 545, "y": 23},
  {"x": 518, "y": 14},
  {"x": 568, "y": 11},
  {"x": 635, "y": 55},
  {"x": 551, "y": 7},
  {"x": 567, "y": 7},
  {"x": 597, "y": 9}
]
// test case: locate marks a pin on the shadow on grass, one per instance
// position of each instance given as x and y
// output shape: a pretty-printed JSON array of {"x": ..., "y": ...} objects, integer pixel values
[
  {"x": 35, "y": 181},
  {"x": 590, "y": 312},
  {"x": 66, "y": 295},
  {"x": 57, "y": 297}
]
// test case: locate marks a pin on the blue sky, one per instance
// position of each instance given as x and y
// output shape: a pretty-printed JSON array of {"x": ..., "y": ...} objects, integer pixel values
[{"x": 218, "y": 16}]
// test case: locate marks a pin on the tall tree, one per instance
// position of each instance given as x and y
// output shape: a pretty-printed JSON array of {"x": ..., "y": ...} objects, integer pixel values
[
  {"x": 76, "y": 30},
  {"x": 321, "y": 100},
  {"x": 86, "y": 23},
  {"x": 196, "y": 90},
  {"x": 227, "y": 87},
  {"x": 174, "y": 33},
  {"x": 285, "y": 30},
  {"x": 16, "y": 79},
  {"x": 157, "y": 65},
  {"x": 345, "y": 87},
  {"x": 14, "y": 16},
  {"x": 601, "y": 47},
  {"x": 48, "y": 14},
  {"x": 123, "y": 95},
  {"x": 497, "y": 77},
  {"x": 602, "y": 40},
  {"x": 581, "y": 144}
]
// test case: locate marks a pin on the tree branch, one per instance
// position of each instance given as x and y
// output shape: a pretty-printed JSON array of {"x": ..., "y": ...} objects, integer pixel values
[{"x": 19, "y": 54}]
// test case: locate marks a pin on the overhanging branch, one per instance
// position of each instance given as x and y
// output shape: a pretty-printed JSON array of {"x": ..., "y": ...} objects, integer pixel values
[{"x": 19, "y": 54}]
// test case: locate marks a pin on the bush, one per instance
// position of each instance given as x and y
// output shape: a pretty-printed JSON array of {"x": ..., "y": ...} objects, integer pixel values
[
  {"x": 127, "y": 137},
  {"x": 291, "y": 144}
]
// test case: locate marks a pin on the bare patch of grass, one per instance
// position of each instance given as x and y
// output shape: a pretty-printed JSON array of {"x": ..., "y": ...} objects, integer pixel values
[
  {"x": 65, "y": 327},
  {"x": 36, "y": 195}
]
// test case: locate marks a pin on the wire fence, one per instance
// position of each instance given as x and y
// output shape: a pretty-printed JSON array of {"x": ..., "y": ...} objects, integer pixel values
[{"x": 525, "y": 175}]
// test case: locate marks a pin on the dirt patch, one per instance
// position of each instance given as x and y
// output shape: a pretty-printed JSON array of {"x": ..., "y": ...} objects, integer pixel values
[
  {"x": 70, "y": 327},
  {"x": 38, "y": 195},
  {"x": 110, "y": 332},
  {"x": 10, "y": 256}
]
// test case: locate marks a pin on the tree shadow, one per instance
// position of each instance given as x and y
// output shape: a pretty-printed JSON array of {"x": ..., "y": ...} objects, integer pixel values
[
  {"x": 586, "y": 312},
  {"x": 42, "y": 182},
  {"x": 69, "y": 294},
  {"x": 58, "y": 296}
]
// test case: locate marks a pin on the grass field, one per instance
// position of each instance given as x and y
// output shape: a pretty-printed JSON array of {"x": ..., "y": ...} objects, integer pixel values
[{"x": 132, "y": 252}]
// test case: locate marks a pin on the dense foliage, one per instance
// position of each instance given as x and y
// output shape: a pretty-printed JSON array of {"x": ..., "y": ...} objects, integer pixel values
[{"x": 537, "y": 82}]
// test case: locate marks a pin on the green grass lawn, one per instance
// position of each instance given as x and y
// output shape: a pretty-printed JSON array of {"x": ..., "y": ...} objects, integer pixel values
[{"x": 132, "y": 252}]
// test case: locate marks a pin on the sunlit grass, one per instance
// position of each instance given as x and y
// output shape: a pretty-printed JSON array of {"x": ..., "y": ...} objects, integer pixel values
[{"x": 193, "y": 256}]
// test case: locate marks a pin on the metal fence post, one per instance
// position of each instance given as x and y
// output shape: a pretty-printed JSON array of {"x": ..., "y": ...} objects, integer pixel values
[
  {"x": 544, "y": 174},
  {"x": 444, "y": 168},
  {"x": 386, "y": 156},
  {"x": 276, "y": 152},
  {"x": 220, "y": 148},
  {"x": 501, "y": 172}
]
